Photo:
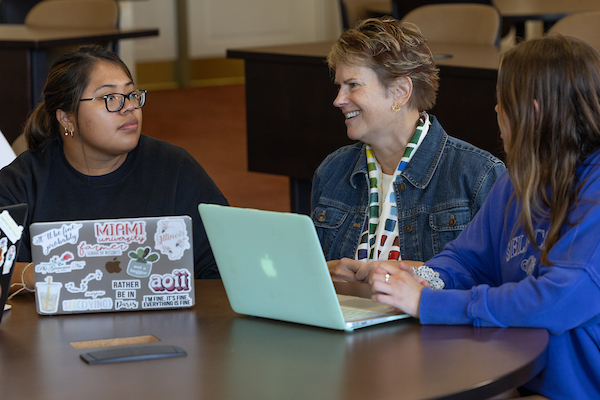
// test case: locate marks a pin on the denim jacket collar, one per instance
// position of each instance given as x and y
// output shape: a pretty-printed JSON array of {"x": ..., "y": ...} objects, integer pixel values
[
  {"x": 421, "y": 168},
  {"x": 360, "y": 168}
]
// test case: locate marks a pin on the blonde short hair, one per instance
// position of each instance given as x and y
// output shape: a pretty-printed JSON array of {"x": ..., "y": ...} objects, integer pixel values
[{"x": 393, "y": 50}]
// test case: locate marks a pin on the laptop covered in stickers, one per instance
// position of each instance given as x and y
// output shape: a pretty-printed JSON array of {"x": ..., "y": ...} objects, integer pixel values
[
  {"x": 109, "y": 265},
  {"x": 11, "y": 229}
]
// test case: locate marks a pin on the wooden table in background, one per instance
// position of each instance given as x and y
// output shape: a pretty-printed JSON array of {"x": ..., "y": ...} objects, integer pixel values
[
  {"x": 237, "y": 357},
  {"x": 23, "y": 65}
]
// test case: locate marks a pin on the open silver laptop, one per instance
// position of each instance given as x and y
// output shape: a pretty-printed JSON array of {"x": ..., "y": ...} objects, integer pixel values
[
  {"x": 106, "y": 265},
  {"x": 272, "y": 266}
]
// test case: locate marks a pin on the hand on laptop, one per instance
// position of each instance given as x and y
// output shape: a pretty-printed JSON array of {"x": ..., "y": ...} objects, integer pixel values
[
  {"x": 394, "y": 283},
  {"x": 349, "y": 270},
  {"x": 346, "y": 269}
]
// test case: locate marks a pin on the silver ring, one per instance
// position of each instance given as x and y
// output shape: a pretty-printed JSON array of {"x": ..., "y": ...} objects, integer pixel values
[{"x": 387, "y": 277}]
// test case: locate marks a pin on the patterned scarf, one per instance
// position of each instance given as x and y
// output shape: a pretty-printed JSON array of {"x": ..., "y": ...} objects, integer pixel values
[{"x": 380, "y": 241}]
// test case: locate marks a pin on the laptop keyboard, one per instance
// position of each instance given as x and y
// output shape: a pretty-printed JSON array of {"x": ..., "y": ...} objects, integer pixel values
[{"x": 354, "y": 314}]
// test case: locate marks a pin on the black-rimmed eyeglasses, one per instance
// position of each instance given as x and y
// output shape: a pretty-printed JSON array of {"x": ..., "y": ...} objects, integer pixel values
[{"x": 116, "y": 101}]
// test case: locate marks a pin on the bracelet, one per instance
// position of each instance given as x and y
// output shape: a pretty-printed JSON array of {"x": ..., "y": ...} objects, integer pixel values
[
  {"x": 21, "y": 284},
  {"x": 435, "y": 282}
]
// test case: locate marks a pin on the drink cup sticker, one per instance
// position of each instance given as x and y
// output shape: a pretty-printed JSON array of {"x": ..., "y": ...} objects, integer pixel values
[
  {"x": 141, "y": 262},
  {"x": 47, "y": 295},
  {"x": 54, "y": 238},
  {"x": 10, "y": 227},
  {"x": 10, "y": 258},
  {"x": 171, "y": 238}
]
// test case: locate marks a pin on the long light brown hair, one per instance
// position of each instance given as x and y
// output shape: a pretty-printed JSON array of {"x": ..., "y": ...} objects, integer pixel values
[{"x": 562, "y": 76}]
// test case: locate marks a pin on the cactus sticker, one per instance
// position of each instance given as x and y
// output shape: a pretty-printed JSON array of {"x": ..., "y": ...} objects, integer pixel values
[{"x": 141, "y": 262}]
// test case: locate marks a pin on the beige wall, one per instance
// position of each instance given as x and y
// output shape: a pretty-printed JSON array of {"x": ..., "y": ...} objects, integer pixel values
[{"x": 216, "y": 25}]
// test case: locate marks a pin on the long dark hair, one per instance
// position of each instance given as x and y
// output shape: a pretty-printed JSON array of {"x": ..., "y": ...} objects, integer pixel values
[
  {"x": 67, "y": 79},
  {"x": 562, "y": 75}
]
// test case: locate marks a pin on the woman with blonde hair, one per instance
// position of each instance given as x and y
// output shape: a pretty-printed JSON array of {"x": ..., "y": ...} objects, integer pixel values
[
  {"x": 406, "y": 188},
  {"x": 531, "y": 256}
]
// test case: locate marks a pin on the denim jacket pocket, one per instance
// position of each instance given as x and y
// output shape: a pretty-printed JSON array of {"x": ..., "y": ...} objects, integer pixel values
[
  {"x": 447, "y": 224},
  {"x": 328, "y": 217},
  {"x": 329, "y": 222}
]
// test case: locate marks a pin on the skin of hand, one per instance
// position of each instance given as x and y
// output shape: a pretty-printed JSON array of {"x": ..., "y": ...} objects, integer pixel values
[
  {"x": 348, "y": 270},
  {"x": 403, "y": 288},
  {"x": 345, "y": 270}
]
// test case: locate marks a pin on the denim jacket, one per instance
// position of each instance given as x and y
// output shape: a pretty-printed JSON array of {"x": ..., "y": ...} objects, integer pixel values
[{"x": 437, "y": 194}]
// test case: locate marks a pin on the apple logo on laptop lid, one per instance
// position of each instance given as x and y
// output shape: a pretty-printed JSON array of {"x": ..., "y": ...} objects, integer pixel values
[{"x": 268, "y": 267}]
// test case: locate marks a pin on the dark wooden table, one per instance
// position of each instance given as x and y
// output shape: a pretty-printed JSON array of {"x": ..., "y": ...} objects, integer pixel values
[
  {"x": 23, "y": 66},
  {"x": 239, "y": 357},
  {"x": 292, "y": 123}
]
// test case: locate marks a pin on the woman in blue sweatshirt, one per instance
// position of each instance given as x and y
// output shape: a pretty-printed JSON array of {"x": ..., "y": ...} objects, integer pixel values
[{"x": 531, "y": 255}]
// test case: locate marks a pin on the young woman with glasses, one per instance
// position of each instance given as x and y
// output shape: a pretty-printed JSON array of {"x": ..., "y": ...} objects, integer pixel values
[{"x": 88, "y": 159}]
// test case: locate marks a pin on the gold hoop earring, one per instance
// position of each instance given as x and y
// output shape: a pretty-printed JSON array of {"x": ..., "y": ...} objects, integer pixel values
[{"x": 396, "y": 107}]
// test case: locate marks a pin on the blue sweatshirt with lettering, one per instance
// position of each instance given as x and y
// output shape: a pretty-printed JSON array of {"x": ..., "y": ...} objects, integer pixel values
[{"x": 494, "y": 278}]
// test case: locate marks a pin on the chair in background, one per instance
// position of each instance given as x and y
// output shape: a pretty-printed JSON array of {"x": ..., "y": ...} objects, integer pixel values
[
  {"x": 584, "y": 26},
  {"x": 354, "y": 10},
  {"x": 458, "y": 23},
  {"x": 73, "y": 14},
  {"x": 403, "y": 7},
  {"x": 15, "y": 11}
]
